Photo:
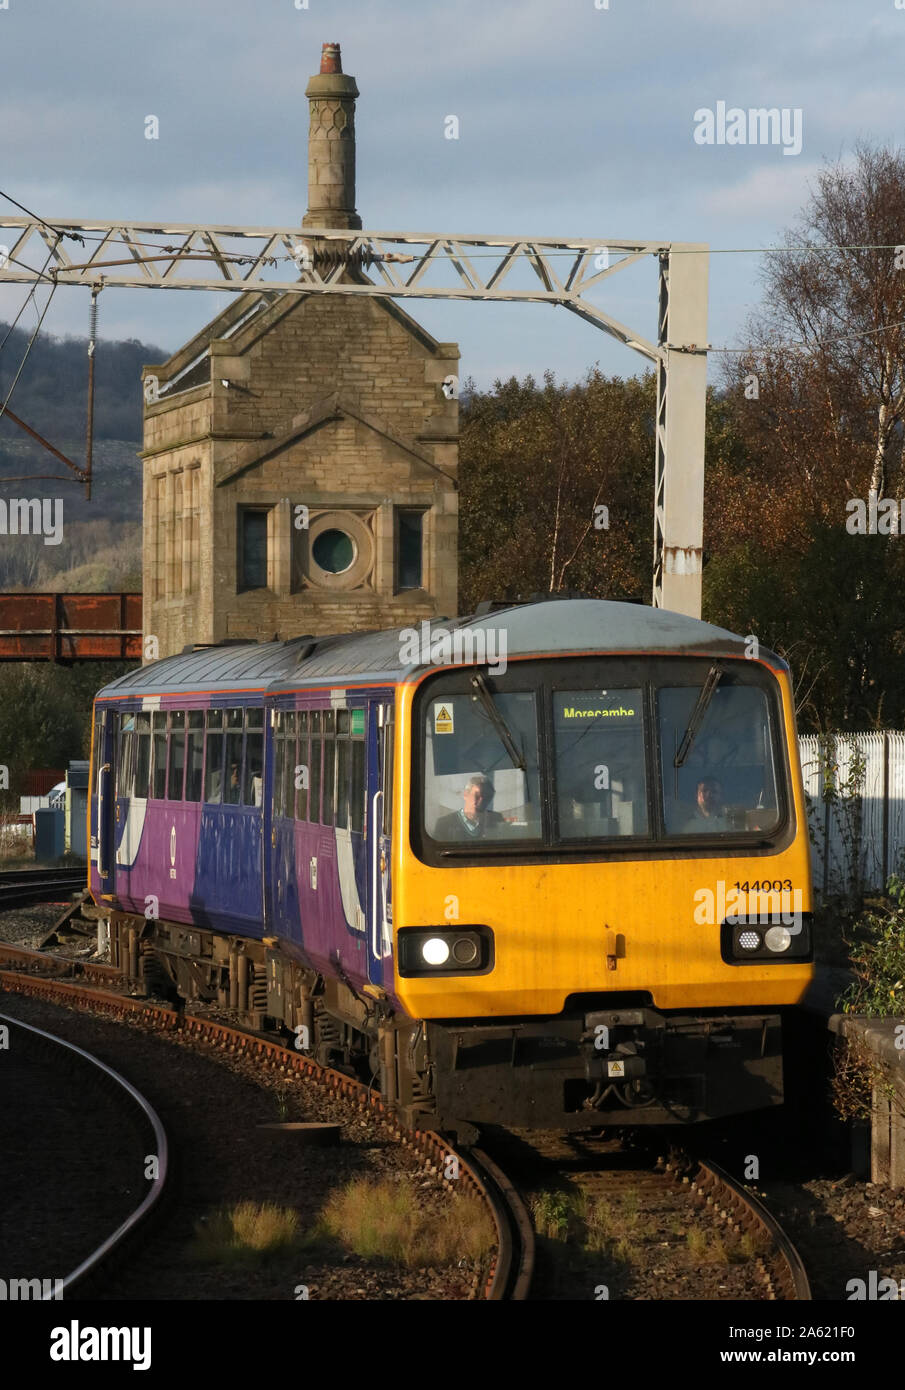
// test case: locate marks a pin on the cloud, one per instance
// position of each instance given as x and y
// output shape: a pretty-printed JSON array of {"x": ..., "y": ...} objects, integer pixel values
[
  {"x": 574, "y": 119},
  {"x": 773, "y": 192}
]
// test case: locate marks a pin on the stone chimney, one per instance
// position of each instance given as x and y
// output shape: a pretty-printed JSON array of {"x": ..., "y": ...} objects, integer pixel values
[{"x": 331, "y": 146}]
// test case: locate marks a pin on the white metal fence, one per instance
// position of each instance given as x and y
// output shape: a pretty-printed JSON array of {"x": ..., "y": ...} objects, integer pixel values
[{"x": 858, "y": 831}]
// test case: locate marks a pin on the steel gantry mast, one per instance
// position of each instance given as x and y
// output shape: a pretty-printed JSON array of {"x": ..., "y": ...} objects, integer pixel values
[{"x": 403, "y": 265}]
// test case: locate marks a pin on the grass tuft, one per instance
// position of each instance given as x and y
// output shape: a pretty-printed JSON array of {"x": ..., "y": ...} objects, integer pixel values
[
  {"x": 605, "y": 1225},
  {"x": 249, "y": 1231},
  {"x": 383, "y": 1219}
]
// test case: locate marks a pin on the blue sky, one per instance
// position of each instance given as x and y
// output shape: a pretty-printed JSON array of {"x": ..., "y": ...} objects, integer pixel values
[{"x": 573, "y": 120}]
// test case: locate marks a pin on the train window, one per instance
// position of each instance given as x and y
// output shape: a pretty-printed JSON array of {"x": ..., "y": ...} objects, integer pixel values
[
  {"x": 357, "y": 784},
  {"x": 343, "y": 720},
  {"x": 302, "y": 765},
  {"x": 278, "y": 750},
  {"x": 329, "y": 773},
  {"x": 473, "y": 789},
  {"x": 601, "y": 789},
  {"x": 159, "y": 755},
  {"x": 143, "y": 754},
  {"x": 232, "y": 768},
  {"x": 235, "y": 718},
  {"x": 194, "y": 755},
  {"x": 125, "y": 754},
  {"x": 177, "y": 756},
  {"x": 727, "y": 782},
  {"x": 287, "y": 799},
  {"x": 314, "y": 770},
  {"x": 342, "y": 783},
  {"x": 254, "y": 756},
  {"x": 213, "y": 755},
  {"x": 97, "y": 750}
]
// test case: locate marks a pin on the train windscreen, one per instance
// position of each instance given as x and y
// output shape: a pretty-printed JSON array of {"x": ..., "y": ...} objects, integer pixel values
[{"x": 650, "y": 750}]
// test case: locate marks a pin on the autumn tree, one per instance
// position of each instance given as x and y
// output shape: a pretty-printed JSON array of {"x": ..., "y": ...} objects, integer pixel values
[
  {"x": 557, "y": 488},
  {"x": 817, "y": 406}
]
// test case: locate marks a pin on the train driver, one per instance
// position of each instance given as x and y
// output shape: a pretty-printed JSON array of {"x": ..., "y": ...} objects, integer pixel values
[
  {"x": 475, "y": 818},
  {"x": 710, "y": 811}
]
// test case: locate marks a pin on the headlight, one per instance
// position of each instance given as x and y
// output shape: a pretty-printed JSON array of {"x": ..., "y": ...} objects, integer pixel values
[
  {"x": 759, "y": 939},
  {"x": 444, "y": 950},
  {"x": 434, "y": 951},
  {"x": 465, "y": 951}
]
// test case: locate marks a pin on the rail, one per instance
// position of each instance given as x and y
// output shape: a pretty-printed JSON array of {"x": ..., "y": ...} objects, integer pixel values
[
  {"x": 161, "y": 1150},
  {"x": 509, "y": 1273}
]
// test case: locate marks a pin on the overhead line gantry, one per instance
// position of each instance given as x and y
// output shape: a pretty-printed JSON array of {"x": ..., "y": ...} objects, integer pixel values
[{"x": 429, "y": 265}]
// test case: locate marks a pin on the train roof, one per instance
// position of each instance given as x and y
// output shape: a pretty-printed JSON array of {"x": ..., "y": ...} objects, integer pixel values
[{"x": 546, "y": 627}]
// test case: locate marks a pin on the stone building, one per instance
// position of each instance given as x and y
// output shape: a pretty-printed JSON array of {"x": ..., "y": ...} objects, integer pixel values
[{"x": 300, "y": 460}]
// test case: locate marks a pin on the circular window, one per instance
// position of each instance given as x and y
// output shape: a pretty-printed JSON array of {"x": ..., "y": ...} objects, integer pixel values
[
  {"x": 333, "y": 551},
  {"x": 340, "y": 551}
]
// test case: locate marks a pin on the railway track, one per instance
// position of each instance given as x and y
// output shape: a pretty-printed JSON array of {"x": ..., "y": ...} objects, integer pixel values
[
  {"x": 505, "y": 1273},
  {"x": 785, "y": 1276},
  {"x": 92, "y": 1074},
  {"x": 21, "y": 887},
  {"x": 680, "y": 1194},
  {"x": 613, "y": 1223},
  {"x": 49, "y": 964}
]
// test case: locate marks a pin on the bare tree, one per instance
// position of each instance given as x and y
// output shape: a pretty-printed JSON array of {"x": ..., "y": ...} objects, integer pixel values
[{"x": 838, "y": 289}]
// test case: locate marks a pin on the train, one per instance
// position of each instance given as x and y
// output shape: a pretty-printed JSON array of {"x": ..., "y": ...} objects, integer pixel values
[{"x": 544, "y": 866}]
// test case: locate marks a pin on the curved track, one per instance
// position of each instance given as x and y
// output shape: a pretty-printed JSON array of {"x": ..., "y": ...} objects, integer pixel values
[
  {"x": 778, "y": 1268},
  {"x": 786, "y": 1275},
  {"x": 609, "y": 1218},
  {"x": 98, "y": 1073},
  {"x": 47, "y": 964},
  {"x": 505, "y": 1277}
]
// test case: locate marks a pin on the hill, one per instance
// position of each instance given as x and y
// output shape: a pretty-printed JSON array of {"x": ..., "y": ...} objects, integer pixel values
[{"x": 101, "y": 546}]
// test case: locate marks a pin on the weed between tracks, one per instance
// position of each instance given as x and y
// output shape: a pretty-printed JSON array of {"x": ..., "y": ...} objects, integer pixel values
[
  {"x": 597, "y": 1225},
  {"x": 711, "y": 1248},
  {"x": 609, "y": 1236}
]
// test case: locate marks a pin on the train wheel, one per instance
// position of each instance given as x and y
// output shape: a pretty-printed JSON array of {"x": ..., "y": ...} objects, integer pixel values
[{"x": 156, "y": 978}]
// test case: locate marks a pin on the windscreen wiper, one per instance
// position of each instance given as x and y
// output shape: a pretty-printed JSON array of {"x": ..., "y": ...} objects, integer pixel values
[
  {"x": 697, "y": 715},
  {"x": 505, "y": 734}
]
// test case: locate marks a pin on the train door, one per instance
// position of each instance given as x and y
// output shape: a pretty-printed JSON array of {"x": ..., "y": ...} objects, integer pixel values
[
  {"x": 380, "y": 806},
  {"x": 281, "y": 899},
  {"x": 267, "y": 830},
  {"x": 104, "y": 811}
]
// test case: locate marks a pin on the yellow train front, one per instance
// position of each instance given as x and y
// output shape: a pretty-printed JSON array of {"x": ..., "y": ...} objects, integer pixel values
[{"x": 601, "y": 888}]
